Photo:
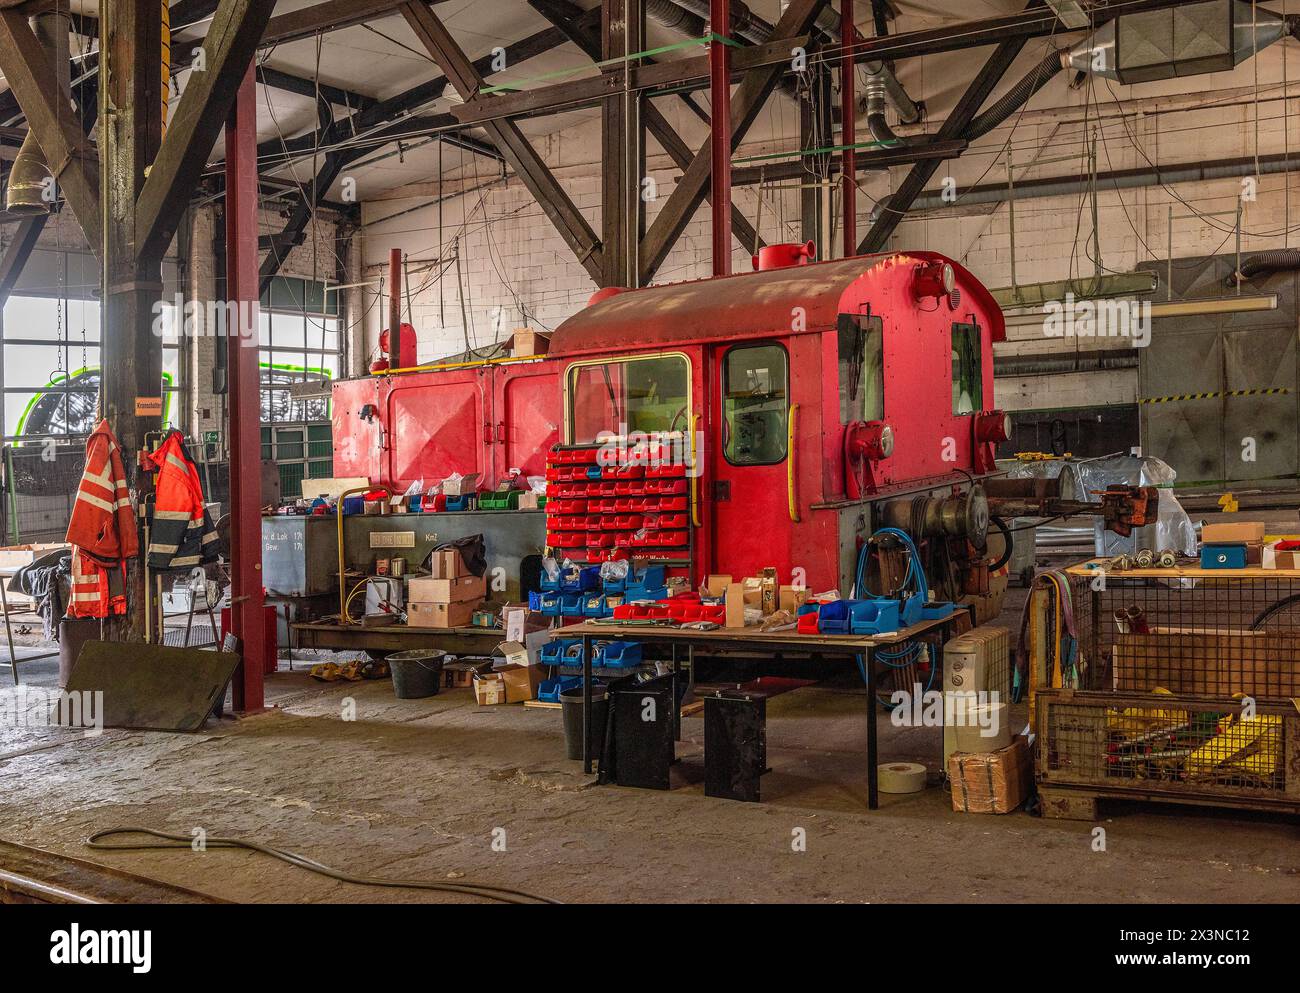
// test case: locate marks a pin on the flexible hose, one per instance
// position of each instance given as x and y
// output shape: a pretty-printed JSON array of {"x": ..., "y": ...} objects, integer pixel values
[
  {"x": 499, "y": 893},
  {"x": 1006, "y": 539},
  {"x": 1279, "y": 260},
  {"x": 1017, "y": 96}
]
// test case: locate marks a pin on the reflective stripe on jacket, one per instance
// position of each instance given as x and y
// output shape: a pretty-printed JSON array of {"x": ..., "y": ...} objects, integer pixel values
[
  {"x": 182, "y": 532},
  {"x": 92, "y": 595}
]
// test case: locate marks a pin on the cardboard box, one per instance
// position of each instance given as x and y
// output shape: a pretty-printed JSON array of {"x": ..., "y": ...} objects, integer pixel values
[
  {"x": 467, "y": 485},
  {"x": 489, "y": 688},
  {"x": 446, "y": 563},
  {"x": 426, "y": 589},
  {"x": 461, "y": 673},
  {"x": 440, "y": 615},
  {"x": 716, "y": 585},
  {"x": 1286, "y": 560},
  {"x": 526, "y": 341},
  {"x": 1240, "y": 532},
  {"x": 529, "y": 500},
  {"x": 992, "y": 783},
  {"x": 522, "y": 681},
  {"x": 736, "y": 605},
  {"x": 792, "y": 598}
]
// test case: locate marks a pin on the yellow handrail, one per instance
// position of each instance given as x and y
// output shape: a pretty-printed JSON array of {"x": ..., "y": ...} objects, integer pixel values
[
  {"x": 695, "y": 474},
  {"x": 789, "y": 462}
]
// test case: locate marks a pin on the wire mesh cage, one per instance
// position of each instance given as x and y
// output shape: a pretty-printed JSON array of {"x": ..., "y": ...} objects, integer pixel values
[
  {"x": 1163, "y": 743},
  {"x": 1190, "y": 635}
]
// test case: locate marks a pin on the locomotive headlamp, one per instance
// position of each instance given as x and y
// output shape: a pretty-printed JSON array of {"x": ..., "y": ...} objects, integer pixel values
[
  {"x": 934, "y": 279},
  {"x": 865, "y": 443},
  {"x": 993, "y": 426}
]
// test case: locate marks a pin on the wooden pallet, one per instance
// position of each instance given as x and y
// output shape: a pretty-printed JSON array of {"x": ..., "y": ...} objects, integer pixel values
[{"x": 1082, "y": 803}]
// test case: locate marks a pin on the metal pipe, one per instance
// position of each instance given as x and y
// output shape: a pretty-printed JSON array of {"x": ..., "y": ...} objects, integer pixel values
[
  {"x": 720, "y": 135},
  {"x": 876, "y": 123},
  {"x": 848, "y": 128},
  {"x": 394, "y": 308},
  {"x": 1127, "y": 179}
]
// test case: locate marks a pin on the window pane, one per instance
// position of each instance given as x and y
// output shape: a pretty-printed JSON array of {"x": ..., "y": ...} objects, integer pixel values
[
  {"x": 638, "y": 395},
  {"x": 862, "y": 368},
  {"x": 32, "y": 365},
  {"x": 755, "y": 405},
  {"x": 967, "y": 383},
  {"x": 289, "y": 331},
  {"x": 31, "y": 317}
]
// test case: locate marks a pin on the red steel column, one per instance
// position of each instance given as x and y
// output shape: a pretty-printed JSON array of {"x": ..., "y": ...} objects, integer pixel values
[
  {"x": 848, "y": 132},
  {"x": 395, "y": 308},
  {"x": 248, "y": 620},
  {"x": 720, "y": 133}
]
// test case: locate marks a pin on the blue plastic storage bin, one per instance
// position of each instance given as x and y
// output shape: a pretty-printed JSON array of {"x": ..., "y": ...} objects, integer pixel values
[
  {"x": 834, "y": 617},
  {"x": 936, "y": 611},
  {"x": 549, "y": 690},
  {"x": 910, "y": 612},
  {"x": 571, "y": 604},
  {"x": 619, "y": 655},
  {"x": 873, "y": 616},
  {"x": 594, "y": 605},
  {"x": 1223, "y": 556}
]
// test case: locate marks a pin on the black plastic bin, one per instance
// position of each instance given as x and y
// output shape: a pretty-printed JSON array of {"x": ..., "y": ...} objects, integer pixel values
[
  {"x": 417, "y": 673},
  {"x": 571, "y": 705}
]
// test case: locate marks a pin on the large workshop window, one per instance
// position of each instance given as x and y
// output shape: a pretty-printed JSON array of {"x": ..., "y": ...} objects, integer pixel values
[
  {"x": 755, "y": 404},
  {"x": 300, "y": 351},
  {"x": 862, "y": 368},
  {"x": 645, "y": 394},
  {"x": 300, "y": 355},
  {"x": 51, "y": 354},
  {"x": 967, "y": 378}
]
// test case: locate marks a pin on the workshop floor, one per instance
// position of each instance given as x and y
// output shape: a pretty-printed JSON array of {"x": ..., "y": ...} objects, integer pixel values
[{"x": 418, "y": 788}]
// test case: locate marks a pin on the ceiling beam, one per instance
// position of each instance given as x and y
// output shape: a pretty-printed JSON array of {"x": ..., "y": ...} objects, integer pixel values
[
  {"x": 580, "y": 28},
  {"x": 229, "y": 45},
  {"x": 18, "y": 252},
  {"x": 746, "y": 104},
  {"x": 954, "y": 127},
  {"x": 523, "y": 158},
  {"x": 72, "y": 161}
]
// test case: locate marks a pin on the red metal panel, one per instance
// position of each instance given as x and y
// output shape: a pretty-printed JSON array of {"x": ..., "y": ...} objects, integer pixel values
[
  {"x": 437, "y": 424},
  {"x": 528, "y": 416},
  {"x": 247, "y": 592},
  {"x": 357, "y": 441}
]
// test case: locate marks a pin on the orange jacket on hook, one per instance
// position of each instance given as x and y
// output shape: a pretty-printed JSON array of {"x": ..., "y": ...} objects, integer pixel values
[
  {"x": 101, "y": 530},
  {"x": 182, "y": 533}
]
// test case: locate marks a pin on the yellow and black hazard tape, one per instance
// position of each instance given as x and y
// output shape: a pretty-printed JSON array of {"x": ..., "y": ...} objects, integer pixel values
[{"x": 1218, "y": 393}]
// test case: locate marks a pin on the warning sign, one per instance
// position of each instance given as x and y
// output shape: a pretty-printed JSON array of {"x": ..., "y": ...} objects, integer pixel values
[{"x": 148, "y": 406}]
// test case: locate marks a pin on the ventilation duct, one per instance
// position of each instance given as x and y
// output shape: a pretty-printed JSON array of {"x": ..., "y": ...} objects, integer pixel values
[
  {"x": 29, "y": 191},
  {"x": 1188, "y": 40},
  {"x": 749, "y": 26}
]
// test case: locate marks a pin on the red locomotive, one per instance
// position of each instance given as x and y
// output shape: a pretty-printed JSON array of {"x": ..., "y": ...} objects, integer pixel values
[{"x": 813, "y": 403}]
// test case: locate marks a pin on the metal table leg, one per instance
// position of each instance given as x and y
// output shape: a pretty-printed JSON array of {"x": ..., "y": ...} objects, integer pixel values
[
  {"x": 873, "y": 761},
  {"x": 586, "y": 704},
  {"x": 9, "y": 631},
  {"x": 677, "y": 710}
]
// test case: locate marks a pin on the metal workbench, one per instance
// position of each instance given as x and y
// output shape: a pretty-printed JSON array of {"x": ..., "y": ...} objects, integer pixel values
[
  {"x": 761, "y": 644},
  {"x": 397, "y": 638}
]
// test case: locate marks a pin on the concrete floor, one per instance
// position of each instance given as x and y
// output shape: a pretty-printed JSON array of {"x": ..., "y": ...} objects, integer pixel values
[{"x": 416, "y": 788}]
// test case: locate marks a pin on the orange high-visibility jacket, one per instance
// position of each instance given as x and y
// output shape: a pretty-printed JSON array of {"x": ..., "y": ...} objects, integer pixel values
[
  {"x": 102, "y": 528},
  {"x": 182, "y": 533}
]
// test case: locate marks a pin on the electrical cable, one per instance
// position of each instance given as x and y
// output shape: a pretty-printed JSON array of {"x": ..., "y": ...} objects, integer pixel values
[{"x": 501, "y": 894}]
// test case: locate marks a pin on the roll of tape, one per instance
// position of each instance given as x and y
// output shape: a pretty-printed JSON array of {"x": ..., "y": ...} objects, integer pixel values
[{"x": 901, "y": 777}]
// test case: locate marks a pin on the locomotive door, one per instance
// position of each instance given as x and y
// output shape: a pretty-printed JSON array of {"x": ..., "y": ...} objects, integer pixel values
[
  {"x": 526, "y": 417},
  {"x": 747, "y": 478},
  {"x": 433, "y": 429}
]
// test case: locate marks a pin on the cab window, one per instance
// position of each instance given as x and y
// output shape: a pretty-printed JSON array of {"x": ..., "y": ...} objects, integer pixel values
[
  {"x": 755, "y": 404},
  {"x": 967, "y": 375},
  {"x": 649, "y": 395},
  {"x": 862, "y": 368}
]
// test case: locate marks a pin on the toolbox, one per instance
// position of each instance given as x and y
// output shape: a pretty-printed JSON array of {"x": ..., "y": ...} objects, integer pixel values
[{"x": 1225, "y": 556}]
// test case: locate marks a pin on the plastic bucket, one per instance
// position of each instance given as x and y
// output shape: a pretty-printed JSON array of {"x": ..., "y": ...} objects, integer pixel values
[
  {"x": 571, "y": 704},
  {"x": 416, "y": 673}
]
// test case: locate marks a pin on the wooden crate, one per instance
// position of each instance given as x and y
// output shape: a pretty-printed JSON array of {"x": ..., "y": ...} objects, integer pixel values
[{"x": 1174, "y": 748}]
